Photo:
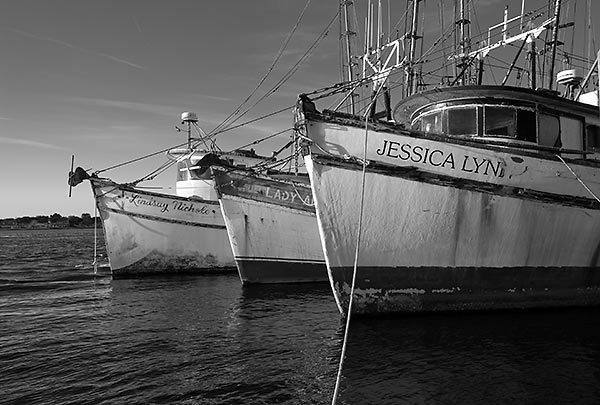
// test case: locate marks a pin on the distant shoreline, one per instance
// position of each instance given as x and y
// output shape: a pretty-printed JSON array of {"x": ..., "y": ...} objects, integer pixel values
[
  {"x": 54, "y": 221},
  {"x": 24, "y": 228}
]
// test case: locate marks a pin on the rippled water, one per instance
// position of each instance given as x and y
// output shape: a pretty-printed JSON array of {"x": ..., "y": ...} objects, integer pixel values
[{"x": 71, "y": 336}]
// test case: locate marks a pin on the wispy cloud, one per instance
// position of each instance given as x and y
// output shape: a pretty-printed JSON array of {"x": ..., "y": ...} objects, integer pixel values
[
  {"x": 209, "y": 97},
  {"x": 137, "y": 24},
  {"x": 5, "y": 118},
  {"x": 166, "y": 110},
  {"x": 25, "y": 142},
  {"x": 71, "y": 46},
  {"x": 173, "y": 112}
]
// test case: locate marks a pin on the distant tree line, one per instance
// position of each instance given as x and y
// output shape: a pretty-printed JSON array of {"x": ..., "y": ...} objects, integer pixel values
[{"x": 50, "y": 221}]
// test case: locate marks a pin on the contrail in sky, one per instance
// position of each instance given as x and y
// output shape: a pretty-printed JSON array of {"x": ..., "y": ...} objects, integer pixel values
[
  {"x": 137, "y": 24},
  {"x": 68, "y": 45},
  {"x": 26, "y": 142}
]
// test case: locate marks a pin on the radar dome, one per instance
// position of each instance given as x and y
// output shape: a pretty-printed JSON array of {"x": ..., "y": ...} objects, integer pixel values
[{"x": 189, "y": 117}]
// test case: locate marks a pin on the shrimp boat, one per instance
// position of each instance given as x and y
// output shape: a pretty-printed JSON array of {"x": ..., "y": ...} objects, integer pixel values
[
  {"x": 271, "y": 224},
  {"x": 148, "y": 232},
  {"x": 467, "y": 197}
]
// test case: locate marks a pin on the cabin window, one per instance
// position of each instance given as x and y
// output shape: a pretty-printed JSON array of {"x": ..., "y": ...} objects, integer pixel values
[
  {"x": 593, "y": 138},
  {"x": 432, "y": 122},
  {"x": 462, "y": 121},
  {"x": 549, "y": 130},
  {"x": 199, "y": 173},
  {"x": 526, "y": 125},
  {"x": 510, "y": 122},
  {"x": 500, "y": 121},
  {"x": 593, "y": 141},
  {"x": 571, "y": 130}
]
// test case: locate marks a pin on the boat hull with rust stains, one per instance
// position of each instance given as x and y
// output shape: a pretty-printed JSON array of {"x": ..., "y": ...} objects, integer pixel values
[
  {"x": 456, "y": 222},
  {"x": 153, "y": 233},
  {"x": 272, "y": 227}
]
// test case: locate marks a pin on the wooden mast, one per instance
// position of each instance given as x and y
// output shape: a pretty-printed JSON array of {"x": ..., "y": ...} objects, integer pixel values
[
  {"x": 464, "y": 42},
  {"x": 413, "y": 36},
  {"x": 555, "y": 27},
  {"x": 348, "y": 33}
]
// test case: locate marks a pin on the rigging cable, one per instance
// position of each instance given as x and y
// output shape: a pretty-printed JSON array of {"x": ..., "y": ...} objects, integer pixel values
[
  {"x": 287, "y": 75},
  {"x": 578, "y": 178},
  {"x": 260, "y": 83},
  {"x": 264, "y": 139},
  {"x": 140, "y": 158}
]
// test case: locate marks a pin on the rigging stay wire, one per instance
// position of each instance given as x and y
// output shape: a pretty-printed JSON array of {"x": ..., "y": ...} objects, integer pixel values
[
  {"x": 290, "y": 72},
  {"x": 260, "y": 83},
  {"x": 140, "y": 158},
  {"x": 214, "y": 133},
  {"x": 219, "y": 129},
  {"x": 264, "y": 139}
]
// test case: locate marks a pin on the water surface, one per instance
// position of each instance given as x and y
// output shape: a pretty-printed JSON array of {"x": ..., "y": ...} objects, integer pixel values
[{"x": 72, "y": 336}]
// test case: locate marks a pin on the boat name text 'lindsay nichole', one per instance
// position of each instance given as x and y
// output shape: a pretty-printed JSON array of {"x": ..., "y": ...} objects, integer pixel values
[
  {"x": 440, "y": 158},
  {"x": 164, "y": 206}
]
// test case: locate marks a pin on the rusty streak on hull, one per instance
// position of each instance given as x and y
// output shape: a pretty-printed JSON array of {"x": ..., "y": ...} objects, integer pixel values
[
  {"x": 415, "y": 174},
  {"x": 272, "y": 226},
  {"x": 432, "y": 289},
  {"x": 152, "y": 233},
  {"x": 158, "y": 264}
]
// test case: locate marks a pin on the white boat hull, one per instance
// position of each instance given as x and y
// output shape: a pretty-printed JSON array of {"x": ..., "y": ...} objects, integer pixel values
[
  {"x": 468, "y": 227},
  {"x": 272, "y": 229},
  {"x": 149, "y": 233}
]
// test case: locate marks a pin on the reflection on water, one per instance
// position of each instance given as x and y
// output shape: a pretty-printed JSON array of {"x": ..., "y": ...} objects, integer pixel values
[
  {"x": 505, "y": 357},
  {"x": 284, "y": 333}
]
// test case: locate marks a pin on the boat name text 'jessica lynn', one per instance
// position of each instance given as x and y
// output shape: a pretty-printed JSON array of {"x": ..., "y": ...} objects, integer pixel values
[{"x": 439, "y": 158}]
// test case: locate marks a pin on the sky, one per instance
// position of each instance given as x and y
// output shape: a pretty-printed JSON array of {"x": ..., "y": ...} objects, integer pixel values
[{"x": 107, "y": 80}]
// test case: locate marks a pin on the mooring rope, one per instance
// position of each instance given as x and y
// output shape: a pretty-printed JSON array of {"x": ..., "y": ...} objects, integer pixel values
[
  {"x": 354, "y": 270},
  {"x": 95, "y": 262},
  {"x": 579, "y": 179}
]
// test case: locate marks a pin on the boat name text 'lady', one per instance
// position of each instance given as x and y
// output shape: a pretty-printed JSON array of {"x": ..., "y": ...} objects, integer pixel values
[{"x": 283, "y": 195}]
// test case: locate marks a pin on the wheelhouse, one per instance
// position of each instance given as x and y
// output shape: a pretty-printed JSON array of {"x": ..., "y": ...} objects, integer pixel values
[{"x": 511, "y": 115}]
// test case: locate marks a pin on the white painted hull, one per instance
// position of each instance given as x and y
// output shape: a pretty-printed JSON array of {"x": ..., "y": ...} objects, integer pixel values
[
  {"x": 150, "y": 233},
  {"x": 468, "y": 228},
  {"x": 273, "y": 239},
  {"x": 436, "y": 226}
]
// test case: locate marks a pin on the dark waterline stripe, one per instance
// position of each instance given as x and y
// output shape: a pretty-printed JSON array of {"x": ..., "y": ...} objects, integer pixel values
[{"x": 278, "y": 259}]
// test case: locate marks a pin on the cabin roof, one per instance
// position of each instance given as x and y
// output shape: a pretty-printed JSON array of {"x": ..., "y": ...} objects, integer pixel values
[{"x": 405, "y": 109}]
